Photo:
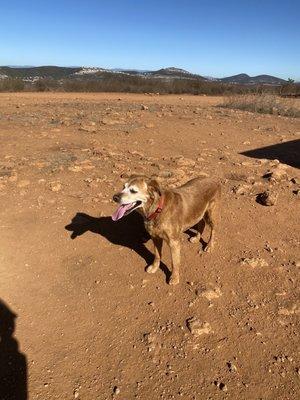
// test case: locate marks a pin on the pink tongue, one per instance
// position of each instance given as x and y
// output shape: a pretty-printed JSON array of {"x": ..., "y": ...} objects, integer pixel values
[{"x": 119, "y": 213}]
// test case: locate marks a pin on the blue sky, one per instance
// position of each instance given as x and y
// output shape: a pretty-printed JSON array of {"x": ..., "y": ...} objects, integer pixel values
[{"x": 216, "y": 38}]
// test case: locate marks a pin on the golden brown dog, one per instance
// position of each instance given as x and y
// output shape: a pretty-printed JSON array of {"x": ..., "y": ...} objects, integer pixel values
[{"x": 168, "y": 213}]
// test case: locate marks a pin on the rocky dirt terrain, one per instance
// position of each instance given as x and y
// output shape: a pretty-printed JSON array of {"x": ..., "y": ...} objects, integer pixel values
[{"x": 91, "y": 323}]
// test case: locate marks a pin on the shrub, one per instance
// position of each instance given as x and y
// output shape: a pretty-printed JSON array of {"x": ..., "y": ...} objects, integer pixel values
[
  {"x": 11, "y": 85},
  {"x": 262, "y": 103}
]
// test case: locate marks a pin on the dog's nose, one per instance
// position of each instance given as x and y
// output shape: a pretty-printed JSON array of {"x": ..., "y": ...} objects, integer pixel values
[{"x": 116, "y": 198}]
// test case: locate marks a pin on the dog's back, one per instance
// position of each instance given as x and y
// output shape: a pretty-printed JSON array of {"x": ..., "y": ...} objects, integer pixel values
[{"x": 196, "y": 196}]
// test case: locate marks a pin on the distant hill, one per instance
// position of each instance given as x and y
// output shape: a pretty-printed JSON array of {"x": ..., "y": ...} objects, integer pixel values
[
  {"x": 32, "y": 74},
  {"x": 245, "y": 79},
  {"x": 38, "y": 72},
  {"x": 172, "y": 72}
]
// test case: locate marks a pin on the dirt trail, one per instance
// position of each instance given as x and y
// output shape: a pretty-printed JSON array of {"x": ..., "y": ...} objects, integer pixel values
[{"x": 91, "y": 323}]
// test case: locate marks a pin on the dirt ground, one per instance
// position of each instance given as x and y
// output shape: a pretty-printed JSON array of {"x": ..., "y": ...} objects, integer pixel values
[{"x": 91, "y": 323}]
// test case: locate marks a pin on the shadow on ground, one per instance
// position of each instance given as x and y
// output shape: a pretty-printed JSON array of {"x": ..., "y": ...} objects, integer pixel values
[
  {"x": 128, "y": 232},
  {"x": 287, "y": 153},
  {"x": 13, "y": 365}
]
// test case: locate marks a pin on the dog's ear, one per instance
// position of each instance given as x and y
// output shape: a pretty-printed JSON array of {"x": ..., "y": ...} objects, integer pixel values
[{"x": 153, "y": 186}]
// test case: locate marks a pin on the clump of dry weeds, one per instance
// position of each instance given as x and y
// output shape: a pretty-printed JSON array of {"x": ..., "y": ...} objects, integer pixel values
[{"x": 263, "y": 103}]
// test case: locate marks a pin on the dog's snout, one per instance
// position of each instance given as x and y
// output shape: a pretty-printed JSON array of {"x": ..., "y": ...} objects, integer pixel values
[{"x": 116, "y": 198}]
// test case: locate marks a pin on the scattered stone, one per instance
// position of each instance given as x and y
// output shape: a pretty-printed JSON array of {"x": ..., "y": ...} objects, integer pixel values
[
  {"x": 109, "y": 121},
  {"x": 117, "y": 390},
  {"x": 209, "y": 294},
  {"x": 254, "y": 262},
  {"x": 296, "y": 263},
  {"x": 222, "y": 386},
  {"x": 149, "y": 126},
  {"x": 13, "y": 177},
  {"x": 268, "y": 248},
  {"x": 232, "y": 367},
  {"x": 152, "y": 341},
  {"x": 23, "y": 183},
  {"x": 165, "y": 174},
  {"x": 145, "y": 108},
  {"x": 295, "y": 180},
  {"x": 185, "y": 162},
  {"x": 241, "y": 189},
  {"x": 75, "y": 168},
  {"x": 88, "y": 128},
  {"x": 55, "y": 186},
  {"x": 294, "y": 309},
  {"x": 296, "y": 192},
  {"x": 277, "y": 174},
  {"x": 198, "y": 328},
  {"x": 267, "y": 198}
]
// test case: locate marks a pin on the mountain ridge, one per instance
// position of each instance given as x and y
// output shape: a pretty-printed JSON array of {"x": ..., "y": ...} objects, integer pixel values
[{"x": 31, "y": 74}]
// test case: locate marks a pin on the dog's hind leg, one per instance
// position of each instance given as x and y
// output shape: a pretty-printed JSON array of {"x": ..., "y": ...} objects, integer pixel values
[
  {"x": 158, "y": 242},
  {"x": 199, "y": 227},
  {"x": 175, "y": 254},
  {"x": 210, "y": 218}
]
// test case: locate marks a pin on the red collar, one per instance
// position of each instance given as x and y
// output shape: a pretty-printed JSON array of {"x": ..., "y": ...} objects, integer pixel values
[{"x": 158, "y": 209}]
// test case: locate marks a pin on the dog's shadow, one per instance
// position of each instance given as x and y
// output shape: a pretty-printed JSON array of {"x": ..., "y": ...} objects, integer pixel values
[{"x": 128, "y": 232}]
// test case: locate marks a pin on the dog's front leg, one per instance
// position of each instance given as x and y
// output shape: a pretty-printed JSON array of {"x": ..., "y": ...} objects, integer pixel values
[
  {"x": 175, "y": 254},
  {"x": 158, "y": 242}
]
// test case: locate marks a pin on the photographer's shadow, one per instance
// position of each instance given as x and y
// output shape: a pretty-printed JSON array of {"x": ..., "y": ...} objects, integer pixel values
[
  {"x": 128, "y": 232},
  {"x": 13, "y": 365}
]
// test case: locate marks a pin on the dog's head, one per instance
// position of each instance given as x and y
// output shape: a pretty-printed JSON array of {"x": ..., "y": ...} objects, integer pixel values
[{"x": 136, "y": 193}]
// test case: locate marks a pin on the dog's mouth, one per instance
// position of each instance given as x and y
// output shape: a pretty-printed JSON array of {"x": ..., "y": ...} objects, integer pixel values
[{"x": 125, "y": 209}]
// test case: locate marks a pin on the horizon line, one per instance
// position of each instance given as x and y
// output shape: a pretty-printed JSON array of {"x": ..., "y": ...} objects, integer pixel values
[{"x": 140, "y": 70}]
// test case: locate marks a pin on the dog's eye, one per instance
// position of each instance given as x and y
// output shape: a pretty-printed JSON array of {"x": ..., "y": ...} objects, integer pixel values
[{"x": 133, "y": 191}]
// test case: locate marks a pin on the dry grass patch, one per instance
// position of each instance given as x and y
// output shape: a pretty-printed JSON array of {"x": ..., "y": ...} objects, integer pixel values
[{"x": 263, "y": 103}]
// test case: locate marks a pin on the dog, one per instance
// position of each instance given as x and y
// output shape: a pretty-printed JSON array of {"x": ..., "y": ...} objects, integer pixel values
[{"x": 168, "y": 213}]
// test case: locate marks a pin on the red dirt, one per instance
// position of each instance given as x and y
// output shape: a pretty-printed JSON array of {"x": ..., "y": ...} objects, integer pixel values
[{"x": 92, "y": 323}]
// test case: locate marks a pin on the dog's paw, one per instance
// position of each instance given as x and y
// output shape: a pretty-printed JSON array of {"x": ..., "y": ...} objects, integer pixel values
[
  {"x": 208, "y": 248},
  {"x": 174, "y": 280},
  {"x": 194, "y": 239},
  {"x": 151, "y": 269}
]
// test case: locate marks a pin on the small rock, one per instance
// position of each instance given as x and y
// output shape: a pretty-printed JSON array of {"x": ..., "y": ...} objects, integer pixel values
[
  {"x": 210, "y": 294},
  {"x": 268, "y": 248},
  {"x": 293, "y": 309},
  {"x": 267, "y": 198},
  {"x": 117, "y": 390},
  {"x": 13, "y": 177},
  {"x": 222, "y": 386},
  {"x": 23, "y": 183},
  {"x": 241, "y": 189},
  {"x": 55, "y": 186},
  {"x": 185, "y": 162},
  {"x": 296, "y": 192},
  {"x": 277, "y": 174},
  {"x": 149, "y": 126},
  {"x": 232, "y": 367},
  {"x": 145, "y": 108},
  {"x": 165, "y": 174},
  {"x": 296, "y": 263},
  {"x": 198, "y": 328},
  {"x": 295, "y": 180},
  {"x": 254, "y": 262},
  {"x": 88, "y": 128},
  {"x": 75, "y": 168}
]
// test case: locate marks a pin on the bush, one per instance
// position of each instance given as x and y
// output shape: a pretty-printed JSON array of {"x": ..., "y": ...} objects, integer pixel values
[
  {"x": 11, "y": 85},
  {"x": 263, "y": 103},
  {"x": 46, "y": 84}
]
